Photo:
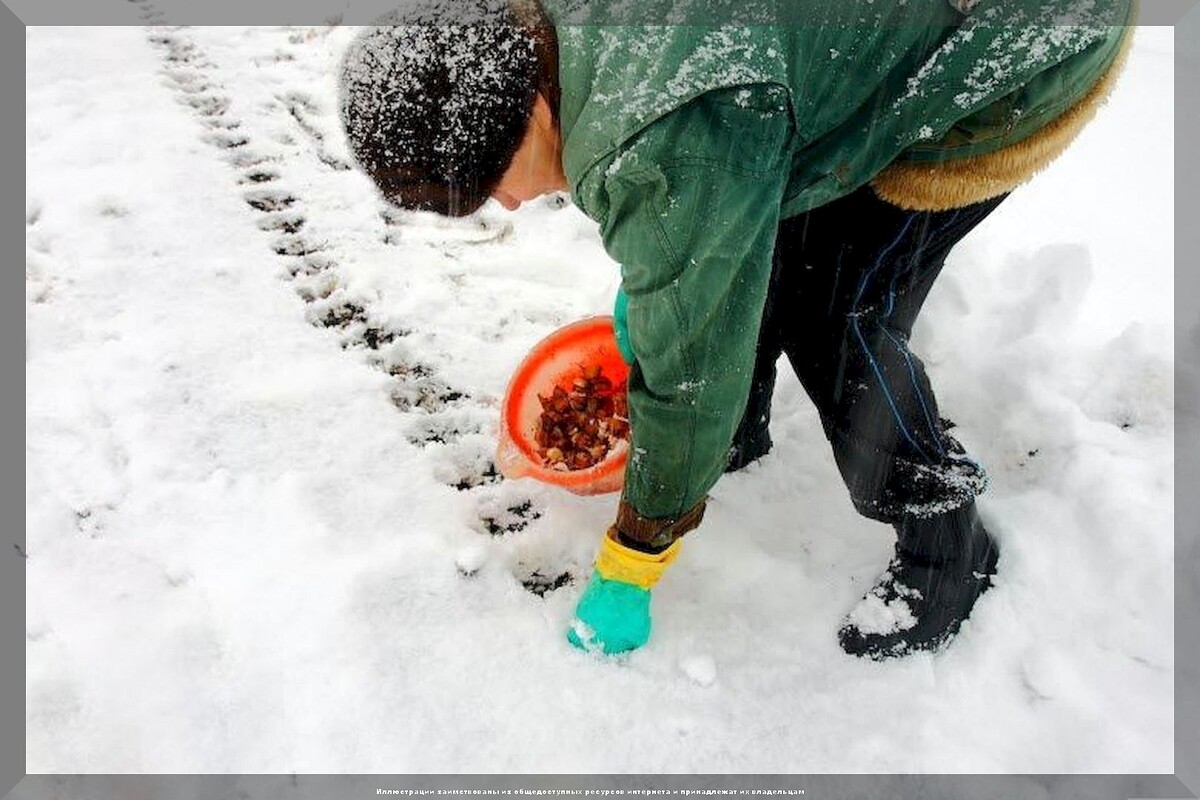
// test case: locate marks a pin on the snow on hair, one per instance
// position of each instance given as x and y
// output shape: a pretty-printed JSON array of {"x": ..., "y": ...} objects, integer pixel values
[{"x": 435, "y": 100}]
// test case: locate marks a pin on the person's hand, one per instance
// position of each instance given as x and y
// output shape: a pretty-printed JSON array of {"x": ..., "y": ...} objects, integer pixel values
[
  {"x": 621, "y": 326},
  {"x": 613, "y": 615}
]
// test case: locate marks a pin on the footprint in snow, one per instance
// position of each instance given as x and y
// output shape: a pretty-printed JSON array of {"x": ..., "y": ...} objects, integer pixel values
[
  {"x": 513, "y": 518},
  {"x": 111, "y": 207},
  {"x": 269, "y": 201},
  {"x": 541, "y": 581}
]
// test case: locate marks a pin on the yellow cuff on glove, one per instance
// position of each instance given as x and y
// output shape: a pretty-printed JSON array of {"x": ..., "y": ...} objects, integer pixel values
[{"x": 616, "y": 562}]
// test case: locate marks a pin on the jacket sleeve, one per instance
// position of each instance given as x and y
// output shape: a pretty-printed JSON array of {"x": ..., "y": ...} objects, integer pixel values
[{"x": 693, "y": 209}]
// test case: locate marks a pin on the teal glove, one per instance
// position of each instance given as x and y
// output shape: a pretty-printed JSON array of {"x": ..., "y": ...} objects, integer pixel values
[
  {"x": 611, "y": 617},
  {"x": 614, "y": 613},
  {"x": 621, "y": 326}
]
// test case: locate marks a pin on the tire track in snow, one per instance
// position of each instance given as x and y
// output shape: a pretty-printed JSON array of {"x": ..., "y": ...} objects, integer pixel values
[{"x": 437, "y": 414}]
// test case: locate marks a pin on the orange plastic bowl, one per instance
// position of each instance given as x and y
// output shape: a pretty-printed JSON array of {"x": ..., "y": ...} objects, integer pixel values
[{"x": 556, "y": 361}]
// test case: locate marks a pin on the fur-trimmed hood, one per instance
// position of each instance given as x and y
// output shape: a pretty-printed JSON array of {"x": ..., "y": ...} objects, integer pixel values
[{"x": 957, "y": 182}]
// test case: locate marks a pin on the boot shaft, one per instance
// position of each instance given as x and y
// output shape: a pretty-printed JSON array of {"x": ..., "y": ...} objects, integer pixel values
[{"x": 954, "y": 540}]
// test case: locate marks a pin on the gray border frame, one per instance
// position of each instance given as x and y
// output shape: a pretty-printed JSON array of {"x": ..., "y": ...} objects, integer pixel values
[
  {"x": 361, "y": 12},
  {"x": 1187, "y": 400},
  {"x": 1183, "y": 14},
  {"x": 12, "y": 315}
]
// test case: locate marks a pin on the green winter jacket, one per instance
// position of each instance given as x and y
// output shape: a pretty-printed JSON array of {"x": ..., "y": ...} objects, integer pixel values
[{"x": 688, "y": 144}]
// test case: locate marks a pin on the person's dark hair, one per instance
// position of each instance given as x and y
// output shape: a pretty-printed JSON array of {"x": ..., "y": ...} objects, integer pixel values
[{"x": 435, "y": 100}]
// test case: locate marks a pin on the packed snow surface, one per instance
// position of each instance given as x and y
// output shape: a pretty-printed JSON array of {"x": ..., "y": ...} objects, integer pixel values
[{"x": 263, "y": 530}]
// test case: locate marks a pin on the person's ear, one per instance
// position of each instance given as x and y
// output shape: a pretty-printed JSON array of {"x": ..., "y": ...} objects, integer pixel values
[{"x": 543, "y": 115}]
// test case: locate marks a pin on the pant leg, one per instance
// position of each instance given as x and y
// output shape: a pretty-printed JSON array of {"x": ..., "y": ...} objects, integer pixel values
[
  {"x": 790, "y": 281},
  {"x": 752, "y": 440},
  {"x": 853, "y": 276}
]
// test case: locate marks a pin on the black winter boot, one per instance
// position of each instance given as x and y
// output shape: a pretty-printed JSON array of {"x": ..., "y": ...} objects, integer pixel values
[
  {"x": 752, "y": 440},
  {"x": 941, "y": 566},
  {"x": 745, "y": 451}
]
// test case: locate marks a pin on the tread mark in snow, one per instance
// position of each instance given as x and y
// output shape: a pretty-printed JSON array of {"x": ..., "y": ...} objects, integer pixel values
[
  {"x": 425, "y": 394},
  {"x": 339, "y": 315},
  {"x": 91, "y": 521},
  {"x": 440, "y": 431},
  {"x": 245, "y": 159},
  {"x": 288, "y": 223},
  {"x": 228, "y": 141},
  {"x": 540, "y": 584},
  {"x": 208, "y": 105},
  {"x": 483, "y": 477},
  {"x": 259, "y": 176},
  {"x": 311, "y": 265},
  {"x": 402, "y": 370},
  {"x": 374, "y": 337},
  {"x": 300, "y": 106},
  {"x": 318, "y": 291},
  {"x": 296, "y": 246},
  {"x": 513, "y": 519},
  {"x": 268, "y": 201},
  {"x": 220, "y": 123}
]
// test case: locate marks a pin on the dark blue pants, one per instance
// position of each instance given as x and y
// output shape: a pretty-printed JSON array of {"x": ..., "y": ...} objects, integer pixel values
[{"x": 848, "y": 281}]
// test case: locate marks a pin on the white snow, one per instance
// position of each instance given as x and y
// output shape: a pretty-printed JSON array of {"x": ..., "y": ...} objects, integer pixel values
[
  {"x": 258, "y": 544},
  {"x": 471, "y": 558},
  {"x": 701, "y": 669},
  {"x": 873, "y": 614}
]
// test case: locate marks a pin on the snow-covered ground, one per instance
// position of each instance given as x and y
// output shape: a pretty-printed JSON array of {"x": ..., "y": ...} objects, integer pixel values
[{"x": 263, "y": 530}]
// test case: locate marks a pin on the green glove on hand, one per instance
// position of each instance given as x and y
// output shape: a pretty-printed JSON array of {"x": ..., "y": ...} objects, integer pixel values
[
  {"x": 614, "y": 613},
  {"x": 621, "y": 326}
]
